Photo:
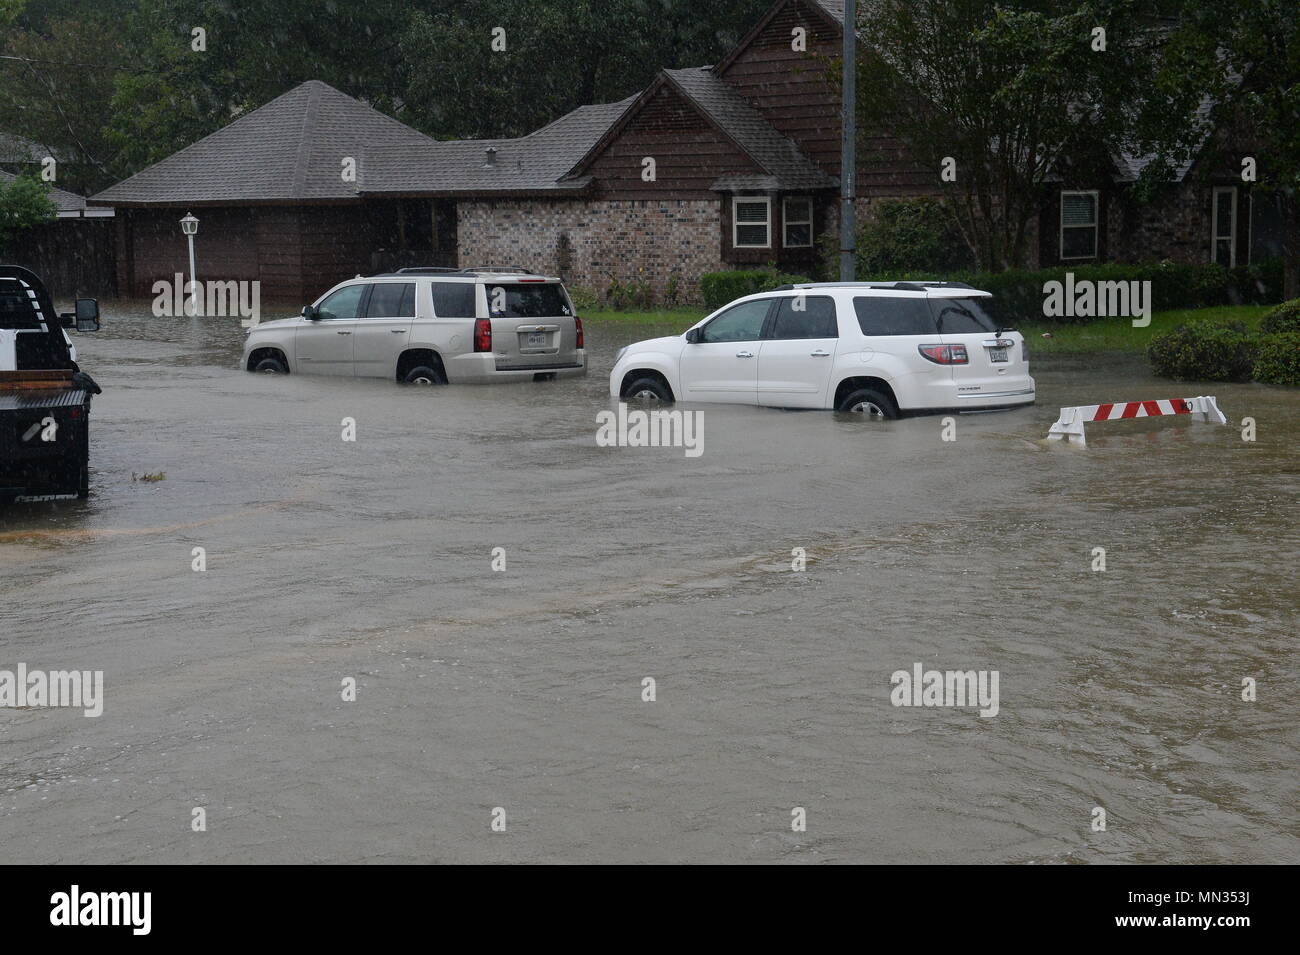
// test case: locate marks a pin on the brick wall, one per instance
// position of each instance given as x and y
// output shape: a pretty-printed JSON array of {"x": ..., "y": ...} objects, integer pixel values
[{"x": 591, "y": 242}]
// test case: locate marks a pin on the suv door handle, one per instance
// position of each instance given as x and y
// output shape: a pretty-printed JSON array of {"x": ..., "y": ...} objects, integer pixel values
[
  {"x": 398, "y": 331},
  {"x": 341, "y": 332},
  {"x": 744, "y": 354},
  {"x": 820, "y": 354}
]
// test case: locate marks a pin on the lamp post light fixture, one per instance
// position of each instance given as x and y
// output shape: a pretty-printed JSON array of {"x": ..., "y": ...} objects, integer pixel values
[{"x": 190, "y": 226}]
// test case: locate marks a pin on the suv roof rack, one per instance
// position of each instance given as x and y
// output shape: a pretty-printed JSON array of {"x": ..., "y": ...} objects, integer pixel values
[
  {"x": 917, "y": 286},
  {"x": 498, "y": 268},
  {"x": 423, "y": 269}
]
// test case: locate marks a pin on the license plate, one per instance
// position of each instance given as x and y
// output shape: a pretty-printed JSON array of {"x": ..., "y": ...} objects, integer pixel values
[
  {"x": 536, "y": 340},
  {"x": 997, "y": 354}
]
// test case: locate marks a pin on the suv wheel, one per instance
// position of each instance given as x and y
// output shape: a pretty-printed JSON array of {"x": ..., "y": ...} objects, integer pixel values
[
  {"x": 870, "y": 403},
  {"x": 648, "y": 390},
  {"x": 424, "y": 375},
  {"x": 271, "y": 366}
]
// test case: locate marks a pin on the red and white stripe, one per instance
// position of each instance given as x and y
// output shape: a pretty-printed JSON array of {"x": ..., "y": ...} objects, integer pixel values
[{"x": 1134, "y": 409}]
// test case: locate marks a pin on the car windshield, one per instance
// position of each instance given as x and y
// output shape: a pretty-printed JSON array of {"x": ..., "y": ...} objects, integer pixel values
[
  {"x": 527, "y": 301},
  {"x": 957, "y": 315}
]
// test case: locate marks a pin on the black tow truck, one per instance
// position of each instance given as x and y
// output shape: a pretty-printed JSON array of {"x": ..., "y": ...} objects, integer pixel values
[{"x": 44, "y": 395}]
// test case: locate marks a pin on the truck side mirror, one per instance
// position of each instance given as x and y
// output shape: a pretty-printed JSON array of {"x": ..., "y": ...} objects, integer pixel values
[{"x": 87, "y": 315}]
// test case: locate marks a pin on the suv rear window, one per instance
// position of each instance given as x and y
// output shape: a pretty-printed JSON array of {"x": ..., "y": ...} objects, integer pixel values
[
  {"x": 539, "y": 300},
  {"x": 956, "y": 315},
  {"x": 882, "y": 315}
]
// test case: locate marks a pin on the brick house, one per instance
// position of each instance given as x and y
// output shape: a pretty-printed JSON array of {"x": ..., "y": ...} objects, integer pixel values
[{"x": 730, "y": 165}]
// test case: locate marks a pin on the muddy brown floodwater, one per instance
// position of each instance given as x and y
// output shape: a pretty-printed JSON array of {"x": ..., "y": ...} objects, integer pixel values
[{"x": 522, "y": 689}]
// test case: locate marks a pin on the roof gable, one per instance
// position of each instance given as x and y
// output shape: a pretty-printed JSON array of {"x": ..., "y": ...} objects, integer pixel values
[
  {"x": 831, "y": 11},
  {"x": 289, "y": 150},
  {"x": 729, "y": 113}
]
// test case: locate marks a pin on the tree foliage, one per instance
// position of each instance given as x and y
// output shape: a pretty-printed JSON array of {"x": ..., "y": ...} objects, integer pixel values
[
  {"x": 1009, "y": 95},
  {"x": 24, "y": 203}
]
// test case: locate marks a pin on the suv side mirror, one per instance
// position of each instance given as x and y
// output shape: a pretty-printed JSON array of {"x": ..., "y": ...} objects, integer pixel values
[
  {"x": 87, "y": 315},
  {"x": 693, "y": 336},
  {"x": 310, "y": 313}
]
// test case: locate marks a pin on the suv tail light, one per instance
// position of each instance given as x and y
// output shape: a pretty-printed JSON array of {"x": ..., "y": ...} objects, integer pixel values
[
  {"x": 482, "y": 334},
  {"x": 944, "y": 354},
  {"x": 577, "y": 323},
  {"x": 1024, "y": 350}
]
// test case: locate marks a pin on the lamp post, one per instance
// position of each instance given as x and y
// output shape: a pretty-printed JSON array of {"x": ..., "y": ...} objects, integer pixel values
[{"x": 190, "y": 226}]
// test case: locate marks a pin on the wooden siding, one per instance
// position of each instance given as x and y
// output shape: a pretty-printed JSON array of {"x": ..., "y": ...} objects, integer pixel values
[
  {"x": 689, "y": 153},
  {"x": 793, "y": 93}
]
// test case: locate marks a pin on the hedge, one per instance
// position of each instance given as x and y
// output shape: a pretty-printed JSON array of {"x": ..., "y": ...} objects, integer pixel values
[
  {"x": 719, "y": 288},
  {"x": 1277, "y": 359},
  {"x": 1018, "y": 295},
  {"x": 1284, "y": 318},
  {"x": 1203, "y": 351}
]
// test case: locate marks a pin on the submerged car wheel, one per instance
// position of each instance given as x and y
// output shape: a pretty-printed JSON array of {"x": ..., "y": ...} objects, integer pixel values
[
  {"x": 649, "y": 391},
  {"x": 271, "y": 366},
  {"x": 869, "y": 403},
  {"x": 424, "y": 375}
]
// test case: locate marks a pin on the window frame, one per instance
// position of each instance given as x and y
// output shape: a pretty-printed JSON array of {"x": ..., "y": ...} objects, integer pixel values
[
  {"x": 763, "y": 328},
  {"x": 413, "y": 286},
  {"x": 736, "y": 223},
  {"x": 786, "y": 222},
  {"x": 769, "y": 331},
  {"x": 363, "y": 302},
  {"x": 1095, "y": 227},
  {"x": 1234, "y": 217}
]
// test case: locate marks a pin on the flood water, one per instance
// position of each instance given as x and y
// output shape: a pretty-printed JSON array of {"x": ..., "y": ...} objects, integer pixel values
[{"x": 522, "y": 689}]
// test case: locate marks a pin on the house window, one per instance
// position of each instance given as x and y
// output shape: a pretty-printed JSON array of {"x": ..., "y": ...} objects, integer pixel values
[
  {"x": 1079, "y": 225},
  {"x": 751, "y": 222},
  {"x": 796, "y": 214},
  {"x": 1223, "y": 230}
]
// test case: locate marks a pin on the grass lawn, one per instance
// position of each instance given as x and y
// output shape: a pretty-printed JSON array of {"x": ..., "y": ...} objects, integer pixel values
[
  {"x": 1106, "y": 334},
  {"x": 1118, "y": 334}
]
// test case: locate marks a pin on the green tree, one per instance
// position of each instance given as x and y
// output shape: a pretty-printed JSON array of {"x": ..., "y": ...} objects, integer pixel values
[
  {"x": 1004, "y": 96},
  {"x": 559, "y": 55},
  {"x": 1250, "y": 67},
  {"x": 24, "y": 203}
]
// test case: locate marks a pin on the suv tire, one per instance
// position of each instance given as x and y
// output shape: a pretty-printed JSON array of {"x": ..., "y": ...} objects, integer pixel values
[
  {"x": 271, "y": 365},
  {"x": 425, "y": 375},
  {"x": 868, "y": 402},
  {"x": 648, "y": 389}
]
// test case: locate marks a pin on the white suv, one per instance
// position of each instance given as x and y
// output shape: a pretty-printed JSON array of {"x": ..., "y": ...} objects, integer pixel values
[
  {"x": 878, "y": 348},
  {"x": 429, "y": 326}
]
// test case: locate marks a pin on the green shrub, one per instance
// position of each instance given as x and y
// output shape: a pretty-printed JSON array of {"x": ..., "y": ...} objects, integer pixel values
[
  {"x": 1277, "y": 359},
  {"x": 1284, "y": 318},
  {"x": 1203, "y": 351},
  {"x": 909, "y": 235},
  {"x": 719, "y": 288},
  {"x": 622, "y": 296},
  {"x": 584, "y": 299}
]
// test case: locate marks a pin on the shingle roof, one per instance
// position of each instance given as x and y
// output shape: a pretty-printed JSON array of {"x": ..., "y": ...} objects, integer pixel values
[
  {"x": 533, "y": 163},
  {"x": 290, "y": 150},
  {"x": 746, "y": 126},
  {"x": 68, "y": 203}
]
